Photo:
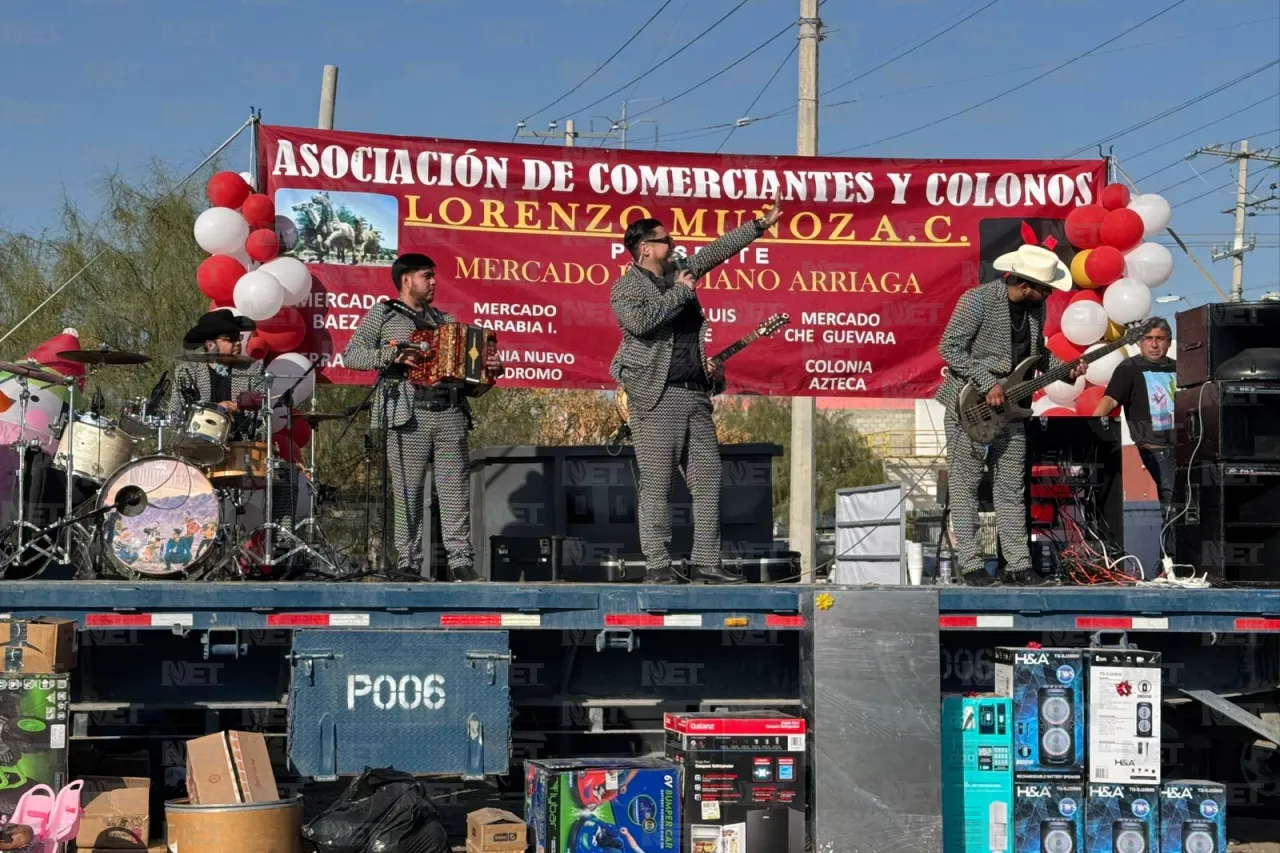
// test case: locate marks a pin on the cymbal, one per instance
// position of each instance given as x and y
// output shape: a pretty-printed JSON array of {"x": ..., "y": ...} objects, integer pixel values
[
  {"x": 30, "y": 370},
  {"x": 103, "y": 356},
  {"x": 216, "y": 358}
]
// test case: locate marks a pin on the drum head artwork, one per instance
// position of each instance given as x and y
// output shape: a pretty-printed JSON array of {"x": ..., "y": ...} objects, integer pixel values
[{"x": 176, "y": 531}]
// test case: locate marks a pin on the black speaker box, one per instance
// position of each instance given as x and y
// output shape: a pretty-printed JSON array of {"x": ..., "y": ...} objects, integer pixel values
[
  {"x": 1230, "y": 527},
  {"x": 1228, "y": 422},
  {"x": 1211, "y": 335}
]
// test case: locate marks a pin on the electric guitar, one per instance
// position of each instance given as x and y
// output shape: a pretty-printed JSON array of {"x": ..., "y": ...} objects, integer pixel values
[
  {"x": 984, "y": 424},
  {"x": 764, "y": 330}
]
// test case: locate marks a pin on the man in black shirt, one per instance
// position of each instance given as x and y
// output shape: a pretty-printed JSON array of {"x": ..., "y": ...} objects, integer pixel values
[{"x": 1144, "y": 386}]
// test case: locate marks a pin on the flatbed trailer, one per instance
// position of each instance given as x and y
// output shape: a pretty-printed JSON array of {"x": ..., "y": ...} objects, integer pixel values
[{"x": 462, "y": 682}]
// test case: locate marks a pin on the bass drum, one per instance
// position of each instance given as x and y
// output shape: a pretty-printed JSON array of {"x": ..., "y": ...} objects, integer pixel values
[{"x": 176, "y": 533}]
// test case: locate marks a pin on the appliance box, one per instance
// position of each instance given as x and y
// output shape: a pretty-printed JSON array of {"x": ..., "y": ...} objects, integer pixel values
[
  {"x": 1048, "y": 816},
  {"x": 1193, "y": 817},
  {"x": 1124, "y": 716},
  {"x": 1047, "y": 687},
  {"x": 1121, "y": 819},
  {"x": 577, "y": 804},
  {"x": 977, "y": 774}
]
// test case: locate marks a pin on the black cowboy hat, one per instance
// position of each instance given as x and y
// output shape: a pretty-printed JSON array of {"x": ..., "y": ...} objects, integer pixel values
[{"x": 214, "y": 325}]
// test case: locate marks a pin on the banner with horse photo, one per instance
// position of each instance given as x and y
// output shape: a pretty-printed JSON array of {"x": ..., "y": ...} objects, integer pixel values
[{"x": 866, "y": 262}]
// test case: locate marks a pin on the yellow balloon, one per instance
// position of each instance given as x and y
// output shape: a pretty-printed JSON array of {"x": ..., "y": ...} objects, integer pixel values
[
  {"x": 1114, "y": 331},
  {"x": 1077, "y": 269}
]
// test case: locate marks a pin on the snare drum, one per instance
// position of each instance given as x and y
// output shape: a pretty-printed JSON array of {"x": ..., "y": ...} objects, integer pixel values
[
  {"x": 244, "y": 468},
  {"x": 205, "y": 429},
  {"x": 98, "y": 448}
]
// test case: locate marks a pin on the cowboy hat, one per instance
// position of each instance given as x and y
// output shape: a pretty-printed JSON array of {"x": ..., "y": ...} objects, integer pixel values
[
  {"x": 214, "y": 325},
  {"x": 1037, "y": 264}
]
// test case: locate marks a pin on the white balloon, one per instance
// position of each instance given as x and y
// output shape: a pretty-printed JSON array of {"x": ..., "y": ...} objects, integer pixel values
[
  {"x": 1154, "y": 210},
  {"x": 1041, "y": 405},
  {"x": 286, "y": 233},
  {"x": 1099, "y": 373},
  {"x": 285, "y": 370},
  {"x": 221, "y": 231},
  {"x": 1149, "y": 263},
  {"x": 293, "y": 276},
  {"x": 258, "y": 295},
  {"x": 1065, "y": 393},
  {"x": 1126, "y": 301},
  {"x": 248, "y": 179},
  {"x": 1084, "y": 322}
]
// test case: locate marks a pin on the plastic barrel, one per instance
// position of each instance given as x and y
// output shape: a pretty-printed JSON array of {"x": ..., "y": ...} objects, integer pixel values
[{"x": 274, "y": 827}]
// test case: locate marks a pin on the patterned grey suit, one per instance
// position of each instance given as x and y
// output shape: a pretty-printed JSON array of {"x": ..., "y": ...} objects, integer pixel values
[
  {"x": 977, "y": 345},
  {"x": 419, "y": 433},
  {"x": 671, "y": 425}
]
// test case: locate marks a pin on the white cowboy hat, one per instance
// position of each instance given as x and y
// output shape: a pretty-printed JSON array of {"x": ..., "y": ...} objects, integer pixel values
[{"x": 1036, "y": 263}]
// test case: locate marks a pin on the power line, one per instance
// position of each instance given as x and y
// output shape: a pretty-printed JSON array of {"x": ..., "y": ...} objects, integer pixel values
[
  {"x": 1203, "y": 126},
  {"x": 760, "y": 94},
  {"x": 600, "y": 67},
  {"x": 1190, "y": 102},
  {"x": 1022, "y": 85},
  {"x": 1182, "y": 160}
]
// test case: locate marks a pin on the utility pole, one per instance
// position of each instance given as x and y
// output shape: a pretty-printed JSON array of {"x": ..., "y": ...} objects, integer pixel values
[
  {"x": 328, "y": 97},
  {"x": 801, "y": 528},
  {"x": 1238, "y": 246},
  {"x": 566, "y": 136}
]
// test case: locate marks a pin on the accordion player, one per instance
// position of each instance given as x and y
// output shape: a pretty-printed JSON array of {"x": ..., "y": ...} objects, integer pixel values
[{"x": 459, "y": 357}]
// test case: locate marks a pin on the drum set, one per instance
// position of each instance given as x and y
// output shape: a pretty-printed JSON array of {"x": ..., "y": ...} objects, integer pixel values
[{"x": 200, "y": 508}]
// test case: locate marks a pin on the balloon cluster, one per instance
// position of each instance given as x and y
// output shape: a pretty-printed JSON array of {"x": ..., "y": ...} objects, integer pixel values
[
  {"x": 246, "y": 273},
  {"x": 1115, "y": 268}
]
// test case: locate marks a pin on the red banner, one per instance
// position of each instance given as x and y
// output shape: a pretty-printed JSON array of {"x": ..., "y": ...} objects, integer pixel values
[{"x": 868, "y": 258}]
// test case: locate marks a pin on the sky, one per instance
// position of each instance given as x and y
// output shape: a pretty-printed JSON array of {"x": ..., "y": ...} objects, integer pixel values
[{"x": 114, "y": 84}]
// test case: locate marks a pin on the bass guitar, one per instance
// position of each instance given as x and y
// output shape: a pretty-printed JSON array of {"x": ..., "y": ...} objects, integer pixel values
[
  {"x": 764, "y": 330},
  {"x": 984, "y": 423}
]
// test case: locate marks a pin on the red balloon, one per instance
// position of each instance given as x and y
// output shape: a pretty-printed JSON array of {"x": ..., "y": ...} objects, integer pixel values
[
  {"x": 1086, "y": 296},
  {"x": 217, "y": 277},
  {"x": 257, "y": 348},
  {"x": 1054, "y": 307},
  {"x": 1089, "y": 399},
  {"x": 1114, "y": 196},
  {"x": 1058, "y": 412},
  {"x": 1122, "y": 230},
  {"x": 284, "y": 332},
  {"x": 1105, "y": 264},
  {"x": 301, "y": 431},
  {"x": 1063, "y": 348},
  {"x": 1084, "y": 225},
  {"x": 262, "y": 245},
  {"x": 227, "y": 189},
  {"x": 260, "y": 211}
]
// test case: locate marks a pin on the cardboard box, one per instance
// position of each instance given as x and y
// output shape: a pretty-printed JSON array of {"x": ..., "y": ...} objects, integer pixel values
[
  {"x": 1124, "y": 716},
  {"x": 1122, "y": 818},
  {"x": 496, "y": 831},
  {"x": 1193, "y": 817},
  {"x": 117, "y": 813},
  {"x": 1047, "y": 687},
  {"x": 1048, "y": 816},
  {"x": 977, "y": 774},
  {"x": 572, "y": 804},
  {"x": 229, "y": 768},
  {"x": 744, "y": 785},
  {"x": 39, "y": 646},
  {"x": 34, "y": 711}
]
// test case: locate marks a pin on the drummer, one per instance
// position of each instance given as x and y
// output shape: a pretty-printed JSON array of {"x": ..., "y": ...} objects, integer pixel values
[{"x": 219, "y": 332}]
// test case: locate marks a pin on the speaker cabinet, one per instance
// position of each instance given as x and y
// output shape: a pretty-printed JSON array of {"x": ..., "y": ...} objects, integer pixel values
[
  {"x": 1228, "y": 422},
  {"x": 1231, "y": 527},
  {"x": 1210, "y": 335}
]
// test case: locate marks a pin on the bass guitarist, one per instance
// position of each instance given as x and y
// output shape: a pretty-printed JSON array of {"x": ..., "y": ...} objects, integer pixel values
[
  {"x": 661, "y": 364},
  {"x": 994, "y": 327}
]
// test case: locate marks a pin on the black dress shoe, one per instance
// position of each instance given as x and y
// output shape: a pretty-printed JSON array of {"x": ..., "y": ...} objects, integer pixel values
[
  {"x": 978, "y": 577},
  {"x": 660, "y": 576},
  {"x": 1022, "y": 577},
  {"x": 465, "y": 574},
  {"x": 716, "y": 574}
]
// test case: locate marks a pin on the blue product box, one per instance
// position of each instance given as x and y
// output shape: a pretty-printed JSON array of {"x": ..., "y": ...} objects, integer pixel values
[
  {"x": 1048, "y": 816},
  {"x": 1122, "y": 819},
  {"x": 1047, "y": 687},
  {"x": 977, "y": 774},
  {"x": 1193, "y": 817},
  {"x": 585, "y": 805}
]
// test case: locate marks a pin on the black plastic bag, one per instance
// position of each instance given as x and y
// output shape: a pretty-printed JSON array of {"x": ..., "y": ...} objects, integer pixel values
[{"x": 382, "y": 811}]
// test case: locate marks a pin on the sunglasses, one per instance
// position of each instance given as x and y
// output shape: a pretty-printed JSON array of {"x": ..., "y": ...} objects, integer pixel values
[{"x": 664, "y": 240}]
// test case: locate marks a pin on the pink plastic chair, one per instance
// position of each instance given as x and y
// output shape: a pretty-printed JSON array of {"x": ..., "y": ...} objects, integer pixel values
[
  {"x": 34, "y": 809},
  {"x": 64, "y": 820}
]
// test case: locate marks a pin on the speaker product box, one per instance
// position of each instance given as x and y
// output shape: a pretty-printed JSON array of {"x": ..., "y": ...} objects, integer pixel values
[
  {"x": 1121, "y": 819},
  {"x": 1124, "y": 716},
  {"x": 744, "y": 781},
  {"x": 603, "y": 804},
  {"x": 1047, "y": 688},
  {"x": 977, "y": 774},
  {"x": 1228, "y": 422},
  {"x": 1048, "y": 817},
  {"x": 1193, "y": 817}
]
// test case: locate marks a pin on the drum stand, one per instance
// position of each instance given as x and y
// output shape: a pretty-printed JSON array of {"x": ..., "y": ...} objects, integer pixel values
[{"x": 21, "y": 525}]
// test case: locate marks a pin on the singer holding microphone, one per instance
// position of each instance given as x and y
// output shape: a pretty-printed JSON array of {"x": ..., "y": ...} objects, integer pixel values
[{"x": 421, "y": 425}]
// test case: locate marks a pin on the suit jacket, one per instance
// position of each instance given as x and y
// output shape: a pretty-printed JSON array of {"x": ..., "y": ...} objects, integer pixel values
[
  {"x": 977, "y": 343},
  {"x": 197, "y": 375},
  {"x": 645, "y": 312},
  {"x": 368, "y": 350}
]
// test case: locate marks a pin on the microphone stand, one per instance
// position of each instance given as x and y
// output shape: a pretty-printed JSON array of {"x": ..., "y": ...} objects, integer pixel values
[{"x": 384, "y": 567}]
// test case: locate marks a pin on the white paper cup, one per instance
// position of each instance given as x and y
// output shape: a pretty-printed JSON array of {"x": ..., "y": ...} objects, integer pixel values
[{"x": 915, "y": 563}]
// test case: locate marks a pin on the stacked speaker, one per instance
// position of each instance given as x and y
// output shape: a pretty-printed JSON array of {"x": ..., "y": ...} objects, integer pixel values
[{"x": 1227, "y": 419}]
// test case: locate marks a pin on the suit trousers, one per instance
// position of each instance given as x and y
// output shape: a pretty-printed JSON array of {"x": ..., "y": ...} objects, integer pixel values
[
  {"x": 438, "y": 439},
  {"x": 965, "y": 462},
  {"x": 678, "y": 432}
]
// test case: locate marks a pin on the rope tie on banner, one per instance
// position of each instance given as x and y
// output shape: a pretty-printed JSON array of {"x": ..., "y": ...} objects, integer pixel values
[{"x": 150, "y": 208}]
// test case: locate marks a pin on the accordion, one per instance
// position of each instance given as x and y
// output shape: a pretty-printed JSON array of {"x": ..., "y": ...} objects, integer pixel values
[{"x": 458, "y": 355}]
